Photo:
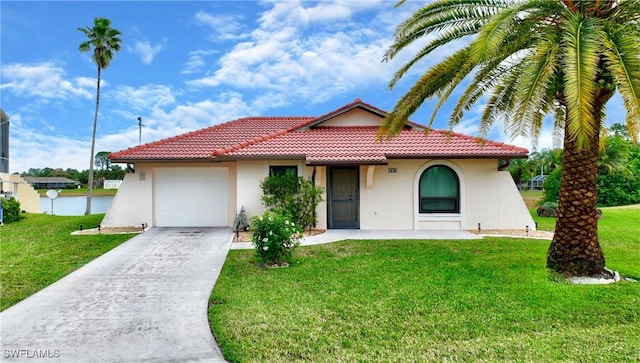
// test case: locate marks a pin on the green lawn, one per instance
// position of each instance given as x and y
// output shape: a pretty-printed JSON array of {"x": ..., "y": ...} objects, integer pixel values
[
  {"x": 489, "y": 300},
  {"x": 80, "y": 192},
  {"x": 39, "y": 250}
]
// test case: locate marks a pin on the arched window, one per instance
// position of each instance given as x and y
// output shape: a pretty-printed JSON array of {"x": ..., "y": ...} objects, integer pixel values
[{"x": 439, "y": 190}]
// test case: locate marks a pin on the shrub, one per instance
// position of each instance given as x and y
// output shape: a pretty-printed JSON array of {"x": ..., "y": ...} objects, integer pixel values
[
  {"x": 10, "y": 210},
  {"x": 275, "y": 236},
  {"x": 552, "y": 187},
  {"x": 293, "y": 196},
  {"x": 548, "y": 209}
]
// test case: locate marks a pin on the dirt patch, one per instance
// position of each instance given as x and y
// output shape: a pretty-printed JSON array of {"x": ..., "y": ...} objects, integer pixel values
[
  {"x": 515, "y": 233},
  {"x": 531, "y": 203},
  {"x": 110, "y": 230},
  {"x": 246, "y": 236}
]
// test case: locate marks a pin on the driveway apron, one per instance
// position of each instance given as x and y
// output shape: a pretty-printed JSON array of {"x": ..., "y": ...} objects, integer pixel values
[{"x": 144, "y": 301}]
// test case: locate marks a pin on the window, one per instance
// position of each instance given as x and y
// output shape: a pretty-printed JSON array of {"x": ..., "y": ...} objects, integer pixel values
[
  {"x": 439, "y": 190},
  {"x": 289, "y": 170}
]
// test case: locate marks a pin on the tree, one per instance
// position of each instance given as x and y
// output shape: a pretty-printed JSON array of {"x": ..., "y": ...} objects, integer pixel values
[
  {"x": 104, "y": 42},
  {"x": 102, "y": 160},
  {"x": 534, "y": 58}
]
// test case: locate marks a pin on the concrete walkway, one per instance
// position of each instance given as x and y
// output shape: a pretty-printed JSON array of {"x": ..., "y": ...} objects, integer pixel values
[
  {"x": 144, "y": 301},
  {"x": 334, "y": 235}
]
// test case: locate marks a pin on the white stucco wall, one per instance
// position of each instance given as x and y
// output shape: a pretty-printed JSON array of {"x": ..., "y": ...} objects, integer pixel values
[
  {"x": 251, "y": 173},
  {"x": 355, "y": 117},
  {"x": 488, "y": 196},
  {"x": 249, "y": 176},
  {"x": 132, "y": 204},
  {"x": 388, "y": 200}
]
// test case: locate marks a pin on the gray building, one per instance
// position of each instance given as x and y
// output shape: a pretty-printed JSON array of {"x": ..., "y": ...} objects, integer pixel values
[{"x": 4, "y": 142}]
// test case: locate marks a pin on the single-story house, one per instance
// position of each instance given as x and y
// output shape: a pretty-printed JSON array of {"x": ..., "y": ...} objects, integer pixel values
[
  {"x": 436, "y": 180},
  {"x": 53, "y": 182}
]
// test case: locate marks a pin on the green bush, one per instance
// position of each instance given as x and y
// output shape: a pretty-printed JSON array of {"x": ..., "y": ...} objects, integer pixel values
[
  {"x": 293, "y": 196},
  {"x": 552, "y": 187},
  {"x": 548, "y": 209},
  {"x": 275, "y": 236},
  {"x": 10, "y": 210}
]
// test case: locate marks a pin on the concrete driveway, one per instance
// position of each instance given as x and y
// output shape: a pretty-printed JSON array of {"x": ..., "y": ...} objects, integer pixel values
[{"x": 144, "y": 301}]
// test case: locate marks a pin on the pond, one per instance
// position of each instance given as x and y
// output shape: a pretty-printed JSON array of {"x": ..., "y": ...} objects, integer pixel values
[{"x": 75, "y": 206}]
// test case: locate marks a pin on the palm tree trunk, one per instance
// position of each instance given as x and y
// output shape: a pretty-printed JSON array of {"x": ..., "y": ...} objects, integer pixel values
[
  {"x": 575, "y": 250},
  {"x": 93, "y": 146}
]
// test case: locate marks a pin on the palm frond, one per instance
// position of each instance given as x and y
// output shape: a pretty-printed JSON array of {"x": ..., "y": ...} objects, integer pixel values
[
  {"x": 491, "y": 36},
  {"x": 536, "y": 78},
  {"x": 501, "y": 102},
  {"x": 621, "y": 54},
  {"x": 491, "y": 71},
  {"x": 444, "y": 39},
  {"x": 580, "y": 45},
  {"x": 557, "y": 134},
  {"x": 438, "y": 79}
]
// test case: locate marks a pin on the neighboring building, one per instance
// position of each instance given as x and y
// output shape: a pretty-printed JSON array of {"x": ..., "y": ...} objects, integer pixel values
[
  {"x": 4, "y": 142},
  {"x": 111, "y": 184},
  {"x": 415, "y": 181},
  {"x": 54, "y": 182},
  {"x": 537, "y": 182},
  {"x": 13, "y": 185}
]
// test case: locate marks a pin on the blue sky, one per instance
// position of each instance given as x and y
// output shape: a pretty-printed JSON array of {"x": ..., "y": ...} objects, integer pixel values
[{"x": 192, "y": 64}]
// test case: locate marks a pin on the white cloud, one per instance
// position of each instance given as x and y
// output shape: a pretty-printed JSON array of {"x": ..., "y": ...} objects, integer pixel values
[
  {"x": 224, "y": 27},
  {"x": 145, "y": 97},
  {"x": 288, "y": 52},
  {"x": 196, "y": 60},
  {"x": 145, "y": 50},
  {"x": 35, "y": 148},
  {"x": 44, "y": 80}
]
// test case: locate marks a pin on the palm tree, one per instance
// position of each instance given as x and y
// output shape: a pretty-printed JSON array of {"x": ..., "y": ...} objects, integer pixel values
[
  {"x": 104, "y": 41},
  {"x": 534, "y": 58}
]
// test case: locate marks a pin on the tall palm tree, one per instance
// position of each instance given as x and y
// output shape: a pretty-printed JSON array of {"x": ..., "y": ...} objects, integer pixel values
[
  {"x": 105, "y": 42},
  {"x": 534, "y": 58}
]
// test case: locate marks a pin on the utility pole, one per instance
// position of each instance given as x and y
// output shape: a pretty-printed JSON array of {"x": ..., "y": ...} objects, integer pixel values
[{"x": 140, "y": 130}]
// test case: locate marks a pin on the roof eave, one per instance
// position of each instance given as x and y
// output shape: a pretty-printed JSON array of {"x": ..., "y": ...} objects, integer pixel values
[
  {"x": 163, "y": 160},
  {"x": 457, "y": 156}
]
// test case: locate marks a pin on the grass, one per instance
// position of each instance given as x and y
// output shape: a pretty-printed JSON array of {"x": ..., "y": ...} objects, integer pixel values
[
  {"x": 489, "y": 300},
  {"x": 80, "y": 192},
  {"x": 531, "y": 197},
  {"x": 39, "y": 250}
]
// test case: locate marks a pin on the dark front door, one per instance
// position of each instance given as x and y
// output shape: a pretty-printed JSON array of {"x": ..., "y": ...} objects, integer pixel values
[{"x": 344, "y": 198}]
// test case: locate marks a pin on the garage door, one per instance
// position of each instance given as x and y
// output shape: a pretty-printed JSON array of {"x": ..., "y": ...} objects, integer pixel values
[{"x": 191, "y": 197}]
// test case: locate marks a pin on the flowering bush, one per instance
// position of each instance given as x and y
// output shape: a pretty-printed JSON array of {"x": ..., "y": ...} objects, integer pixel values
[{"x": 274, "y": 236}]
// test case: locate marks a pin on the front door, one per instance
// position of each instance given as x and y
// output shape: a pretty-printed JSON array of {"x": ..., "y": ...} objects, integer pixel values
[{"x": 344, "y": 198}]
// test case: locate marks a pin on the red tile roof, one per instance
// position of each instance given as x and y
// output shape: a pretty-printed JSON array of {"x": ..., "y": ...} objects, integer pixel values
[
  {"x": 305, "y": 138},
  {"x": 360, "y": 145},
  {"x": 200, "y": 144}
]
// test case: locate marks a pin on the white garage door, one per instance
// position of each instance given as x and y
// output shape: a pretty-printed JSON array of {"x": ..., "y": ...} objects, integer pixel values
[{"x": 191, "y": 197}]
